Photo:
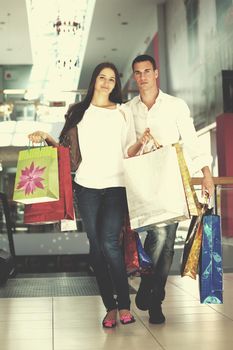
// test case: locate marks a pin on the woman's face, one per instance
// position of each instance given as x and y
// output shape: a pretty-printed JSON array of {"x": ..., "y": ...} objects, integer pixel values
[{"x": 105, "y": 81}]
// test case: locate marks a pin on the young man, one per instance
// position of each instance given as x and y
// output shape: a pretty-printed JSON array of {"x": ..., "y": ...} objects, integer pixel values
[{"x": 168, "y": 119}]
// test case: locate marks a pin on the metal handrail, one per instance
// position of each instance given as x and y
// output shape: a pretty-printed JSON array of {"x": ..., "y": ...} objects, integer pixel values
[{"x": 218, "y": 181}]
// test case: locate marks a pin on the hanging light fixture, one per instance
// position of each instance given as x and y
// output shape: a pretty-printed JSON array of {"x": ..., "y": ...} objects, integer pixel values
[
  {"x": 59, "y": 32},
  {"x": 69, "y": 35},
  {"x": 66, "y": 26}
]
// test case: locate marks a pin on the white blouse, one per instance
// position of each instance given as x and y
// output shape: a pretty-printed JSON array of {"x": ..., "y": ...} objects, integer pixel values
[{"x": 104, "y": 138}]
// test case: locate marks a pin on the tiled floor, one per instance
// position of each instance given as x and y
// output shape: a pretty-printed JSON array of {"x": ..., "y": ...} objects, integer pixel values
[{"x": 74, "y": 323}]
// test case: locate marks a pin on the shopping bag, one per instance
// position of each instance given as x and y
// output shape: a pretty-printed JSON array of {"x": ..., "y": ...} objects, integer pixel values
[
  {"x": 130, "y": 251},
  {"x": 137, "y": 262},
  {"x": 68, "y": 224},
  {"x": 192, "y": 248},
  {"x": 37, "y": 176},
  {"x": 211, "y": 271},
  {"x": 192, "y": 200},
  {"x": 63, "y": 208},
  {"x": 145, "y": 262},
  {"x": 154, "y": 188}
]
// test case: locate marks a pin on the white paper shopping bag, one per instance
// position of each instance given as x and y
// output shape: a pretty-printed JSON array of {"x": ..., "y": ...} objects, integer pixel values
[{"x": 154, "y": 188}]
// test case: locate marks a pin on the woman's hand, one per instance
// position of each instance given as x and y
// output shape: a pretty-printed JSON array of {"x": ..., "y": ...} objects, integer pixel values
[
  {"x": 38, "y": 136},
  {"x": 41, "y": 136}
]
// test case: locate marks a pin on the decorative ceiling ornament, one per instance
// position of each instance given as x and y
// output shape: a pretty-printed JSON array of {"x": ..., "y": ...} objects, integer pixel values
[
  {"x": 66, "y": 26},
  {"x": 67, "y": 62},
  {"x": 59, "y": 31},
  {"x": 69, "y": 27}
]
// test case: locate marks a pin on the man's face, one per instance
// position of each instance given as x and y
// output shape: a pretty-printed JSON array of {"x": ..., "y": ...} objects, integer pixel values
[{"x": 145, "y": 75}]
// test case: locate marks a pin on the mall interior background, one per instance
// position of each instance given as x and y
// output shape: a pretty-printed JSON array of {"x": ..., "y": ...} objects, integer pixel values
[{"x": 191, "y": 41}]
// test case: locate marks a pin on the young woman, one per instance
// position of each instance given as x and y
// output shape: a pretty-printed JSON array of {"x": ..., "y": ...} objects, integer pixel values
[{"x": 105, "y": 136}]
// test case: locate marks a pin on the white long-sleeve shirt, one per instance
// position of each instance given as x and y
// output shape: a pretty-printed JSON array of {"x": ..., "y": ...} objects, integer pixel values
[
  {"x": 170, "y": 122},
  {"x": 104, "y": 138}
]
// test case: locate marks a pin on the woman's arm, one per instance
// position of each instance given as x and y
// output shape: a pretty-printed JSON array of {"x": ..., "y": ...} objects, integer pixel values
[{"x": 40, "y": 136}]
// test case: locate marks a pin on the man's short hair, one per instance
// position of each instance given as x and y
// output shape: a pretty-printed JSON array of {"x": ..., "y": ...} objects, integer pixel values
[{"x": 142, "y": 58}]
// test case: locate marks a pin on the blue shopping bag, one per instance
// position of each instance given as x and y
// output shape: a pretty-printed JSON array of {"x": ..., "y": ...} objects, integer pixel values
[
  {"x": 137, "y": 262},
  {"x": 145, "y": 261},
  {"x": 211, "y": 271}
]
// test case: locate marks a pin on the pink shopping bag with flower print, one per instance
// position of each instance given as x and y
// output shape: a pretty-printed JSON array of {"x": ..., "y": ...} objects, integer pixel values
[{"x": 36, "y": 178}]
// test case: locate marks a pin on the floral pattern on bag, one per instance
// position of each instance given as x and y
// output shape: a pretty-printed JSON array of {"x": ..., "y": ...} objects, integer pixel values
[{"x": 30, "y": 179}]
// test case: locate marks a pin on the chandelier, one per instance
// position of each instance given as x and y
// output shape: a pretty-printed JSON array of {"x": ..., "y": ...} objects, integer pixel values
[
  {"x": 69, "y": 36},
  {"x": 67, "y": 62},
  {"x": 59, "y": 31},
  {"x": 66, "y": 26}
]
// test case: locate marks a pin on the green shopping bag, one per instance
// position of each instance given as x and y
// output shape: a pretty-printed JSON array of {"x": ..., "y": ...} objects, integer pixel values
[{"x": 37, "y": 176}]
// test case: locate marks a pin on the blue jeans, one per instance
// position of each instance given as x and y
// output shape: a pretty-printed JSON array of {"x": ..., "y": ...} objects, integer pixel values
[
  {"x": 103, "y": 212},
  {"x": 159, "y": 245}
]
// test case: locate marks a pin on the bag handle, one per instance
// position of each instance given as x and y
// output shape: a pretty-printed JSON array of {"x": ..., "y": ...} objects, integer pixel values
[
  {"x": 41, "y": 144},
  {"x": 154, "y": 145}
]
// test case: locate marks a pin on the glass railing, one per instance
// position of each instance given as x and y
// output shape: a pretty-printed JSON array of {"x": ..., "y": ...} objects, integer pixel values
[{"x": 49, "y": 240}]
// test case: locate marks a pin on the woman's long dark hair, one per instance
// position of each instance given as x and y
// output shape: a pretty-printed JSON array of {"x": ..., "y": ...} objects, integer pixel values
[{"x": 75, "y": 113}]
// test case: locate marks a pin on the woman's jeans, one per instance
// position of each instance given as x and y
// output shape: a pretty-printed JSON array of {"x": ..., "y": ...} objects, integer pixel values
[
  {"x": 103, "y": 212},
  {"x": 159, "y": 245}
]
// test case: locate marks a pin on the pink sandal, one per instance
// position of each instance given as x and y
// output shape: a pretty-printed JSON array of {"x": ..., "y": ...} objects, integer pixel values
[
  {"x": 109, "y": 323},
  {"x": 126, "y": 319}
]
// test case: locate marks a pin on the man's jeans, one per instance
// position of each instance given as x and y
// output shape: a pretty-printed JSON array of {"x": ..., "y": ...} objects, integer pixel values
[
  {"x": 159, "y": 245},
  {"x": 103, "y": 212}
]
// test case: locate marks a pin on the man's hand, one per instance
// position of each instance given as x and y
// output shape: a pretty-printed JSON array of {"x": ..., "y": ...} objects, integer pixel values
[
  {"x": 146, "y": 136},
  {"x": 207, "y": 186}
]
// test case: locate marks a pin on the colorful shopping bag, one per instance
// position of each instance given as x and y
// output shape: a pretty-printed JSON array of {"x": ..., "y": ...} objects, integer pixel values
[
  {"x": 154, "y": 188},
  {"x": 145, "y": 262},
  {"x": 37, "y": 176},
  {"x": 61, "y": 209},
  {"x": 130, "y": 251},
  {"x": 192, "y": 248},
  {"x": 194, "y": 206},
  {"x": 211, "y": 271},
  {"x": 137, "y": 262}
]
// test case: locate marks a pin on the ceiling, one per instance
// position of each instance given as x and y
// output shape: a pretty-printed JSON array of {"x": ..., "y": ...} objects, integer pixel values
[
  {"x": 120, "y": 29},
  {"x": 15, "y": 45}
]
